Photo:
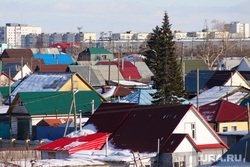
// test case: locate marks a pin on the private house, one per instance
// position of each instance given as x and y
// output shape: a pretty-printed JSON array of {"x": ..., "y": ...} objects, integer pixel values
[
  {"x": 209, "y": 79},
  {"x": 225, "y": 116},
  {"x": 20, "y": 56},
  {"x": 53, "y": 122},
  {"x": 229, "y": 63},
  {"x": 126, "y": 68},
  {"x": 55, "y": 58},
  {"x": 184, "y": 134},
  {"x": 29, "y": 108},
  {"x": 53, "y": 68},
  {"x": 17, "y": 71},
  {"x": 63, "y": 47},
  {"x": 52, "y": 82},
  {"x": 95, "y": 54},
  {"x": 233, "y": 94}
]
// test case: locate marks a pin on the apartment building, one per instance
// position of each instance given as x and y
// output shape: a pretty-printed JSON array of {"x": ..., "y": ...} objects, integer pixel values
[
  {"x": 130, "y": 35},
  {"x": 241, "y": 29},
  {"x": 11, "y": 34}
]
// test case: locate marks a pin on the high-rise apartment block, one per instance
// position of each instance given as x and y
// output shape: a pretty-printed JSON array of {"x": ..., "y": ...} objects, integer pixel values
[
  {"x": 11, "y": 34},
  {"x": 240, "y": 29}
]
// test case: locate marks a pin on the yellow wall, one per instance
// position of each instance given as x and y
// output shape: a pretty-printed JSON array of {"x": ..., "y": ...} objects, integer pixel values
[
  {"x": 78, "y": 84},
  {"x": 239, "y": 125}
]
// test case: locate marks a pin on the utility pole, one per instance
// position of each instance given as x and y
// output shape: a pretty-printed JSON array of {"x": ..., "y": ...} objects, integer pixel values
[
  {"x": 22, "y": 68},
  {"x": 118, "y": 69},
  {"x": 197, "y": 97},
  {"x": 74, "y": 102},
  {"x": 10, "y": 127}
]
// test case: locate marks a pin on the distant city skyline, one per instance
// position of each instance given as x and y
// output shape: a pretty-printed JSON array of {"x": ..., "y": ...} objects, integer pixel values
[{"x": 121, "y": 16}]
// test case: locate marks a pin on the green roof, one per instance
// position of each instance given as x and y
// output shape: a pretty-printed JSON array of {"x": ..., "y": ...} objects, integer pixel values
[
  {"x": 99, "y": 51},
  {"x": 194, "y": 64},
  {"x": 5, "y": 91},
  {"x": 52, "y": 103}
]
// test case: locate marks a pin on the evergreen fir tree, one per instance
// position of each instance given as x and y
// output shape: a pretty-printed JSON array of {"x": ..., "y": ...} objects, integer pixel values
[{"x": 162, "y": 61}]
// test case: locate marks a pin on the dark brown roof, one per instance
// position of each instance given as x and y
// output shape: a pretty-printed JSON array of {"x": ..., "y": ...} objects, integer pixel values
[
  {"x": 35, "y": 61},
  {"x": 120, "y": 90},
  {"x": 17, "y": 53},
  {"x": 144, "y": 125},
  {"x": 53, "y": 68},
  {"x": 109, "y": 116}
]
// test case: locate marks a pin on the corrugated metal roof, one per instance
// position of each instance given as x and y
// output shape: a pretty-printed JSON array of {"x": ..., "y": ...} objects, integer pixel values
[
  {"x": 52, "y": 122},
  {"x": 17, "y": 53},
  {"x": 72, "y": 145},
  {"x": 85, "y": 71},
  {"x": 88, "y": 63},
  {"x": 143, "y": 69},
  {"x": 57, "y": 103},
  {"x": 54, "y": 68},
  {"x": 193, "y": 64},
  {"x": 43, "y": 82},
  {"x": 98, "y": 51},
  {"x": 34, "y": 62},
  {"x": 104, "y": 70},
  {"x": 144, "y": 125},
  {"x": 109, "y": 116},
  {"x": 127, "y": 69},
  {"x": 222, "y": 110},
  {"x": 141, "y": 97},
  {"x": 55, "y": 58}
]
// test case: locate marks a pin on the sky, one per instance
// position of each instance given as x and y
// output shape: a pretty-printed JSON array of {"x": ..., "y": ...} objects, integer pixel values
[{"x": 120, "y": 16}]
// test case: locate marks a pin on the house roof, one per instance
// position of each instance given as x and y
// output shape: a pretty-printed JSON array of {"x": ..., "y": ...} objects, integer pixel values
[
  {"x": 34, "y": 62},
  {"x": 53, "y": 68},
  {"x": 55, "y": 58},
  {"x": 13, "y": 67},
  {"x": 97, "y": 51},
  {"x": 221, "y": 110},
  {"x": 145, "y": 120},
  {"x": 57, "y": 103},
  {"x": 233, "y": 94},
  {"x": 45, "y": 50},
  {"x": 119, "y": 90},
  {"x": 5, "y": 90},
  {"x": 143, "y": 70},
  {"x": 104, "y": 71},
  {"x": 17, "y": 53},
  {"x": 72, "y": 145},
  {"x": 88, "y": 63},
  {"x": 127, "y": 69},
  {"x": 109, "y": 116},
  {"x": 207, "y": 79},
  {"x": 95, "y": 78},
  {"x": 141, "y": 97},
  {"x": 63, "y": 45},
  {"x": 193, "y": 64},
  {"x": 52, "y": 122}
]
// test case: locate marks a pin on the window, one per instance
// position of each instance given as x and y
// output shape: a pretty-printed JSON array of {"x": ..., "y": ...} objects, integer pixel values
[
  {"x": 224, "y": 129},
  {"x": 52, "y": 155},
  {"x": 233, "y": 128},
  {"x": 20, "y": 103},
  {"x": 104, "y": 57},
  {"x": 193, "y": 130}
]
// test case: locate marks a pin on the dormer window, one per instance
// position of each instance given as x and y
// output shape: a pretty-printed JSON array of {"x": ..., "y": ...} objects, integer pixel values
[{"x": 20, "y": 103}]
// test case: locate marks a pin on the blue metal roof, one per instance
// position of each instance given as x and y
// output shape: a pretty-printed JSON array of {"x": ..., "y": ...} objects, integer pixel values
[
  {"x": 14, "y": 69},
  {"x": 141, "y": 97},
  {"x": 191, "y": 79},
  {"x": 55, "y": 58}
]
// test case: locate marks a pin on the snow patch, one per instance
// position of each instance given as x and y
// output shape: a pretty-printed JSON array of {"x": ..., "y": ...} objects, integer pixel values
[{"x": 86, "y": 130}]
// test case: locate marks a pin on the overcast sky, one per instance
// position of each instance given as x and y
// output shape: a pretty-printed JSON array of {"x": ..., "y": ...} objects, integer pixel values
[{"x": 121, "y": 15}]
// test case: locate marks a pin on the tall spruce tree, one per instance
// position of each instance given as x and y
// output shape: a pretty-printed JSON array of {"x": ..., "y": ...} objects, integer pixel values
[{"x": 162, "y": 61}]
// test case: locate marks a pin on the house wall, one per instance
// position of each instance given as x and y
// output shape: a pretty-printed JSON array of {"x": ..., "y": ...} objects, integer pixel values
[
  {"x": 203, "y": 132},
  {"x": 4, "y": 80},
  {"x": 58, "y": 154},
  {"x": 14, "y": 126},
  {"x": 99, "y": 57},
  {"x": 237, "y": 80},
  {"x": 78, "y": 84},
  {"x": 240, "y": 126},
  {"x": 208, "y": 156},
  {"x": 26, "y": 72}
]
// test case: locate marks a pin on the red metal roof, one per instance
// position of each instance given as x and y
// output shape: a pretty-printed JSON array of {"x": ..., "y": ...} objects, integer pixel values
[
  {"x": 222, "y": 110},
  {"x": 210, "y": 146},
  {"x": 72, "y": 145},
  {"x": 129, "y": 71},
  {"x": 109, "y": 116},
  {"x": 53, "y": 122},
  {"x": 145, "y": 124},
  {"x": 63, "y": 45}
]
